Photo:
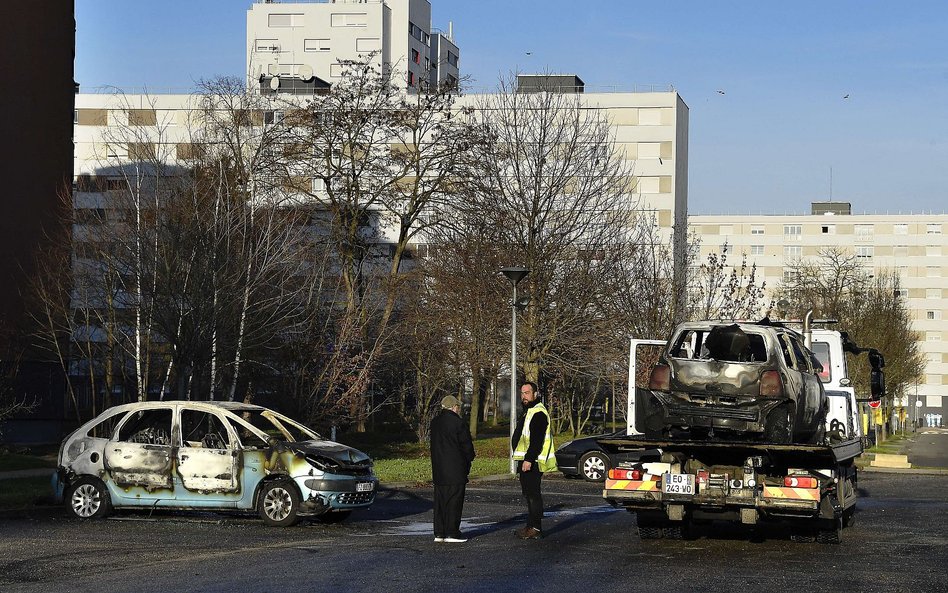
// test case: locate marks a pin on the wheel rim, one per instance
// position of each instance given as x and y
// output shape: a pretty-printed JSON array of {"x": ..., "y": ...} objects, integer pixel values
[
  {"x": 594, "y": 467},
  {"x": 86, "y": 500},
  {"x": 277, "y": 503}
]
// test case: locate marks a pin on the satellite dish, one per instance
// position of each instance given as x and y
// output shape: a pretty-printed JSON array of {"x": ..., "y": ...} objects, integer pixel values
[
  {"x": 306, "y": 72},
  {"x": 275, "y": 82}
]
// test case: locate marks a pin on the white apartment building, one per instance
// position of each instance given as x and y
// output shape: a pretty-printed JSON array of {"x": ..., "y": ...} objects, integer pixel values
[
  {"x": 914, "y": 245},
  {"x": 650, "y": 129},
  {"x": 297, "y": 46}
]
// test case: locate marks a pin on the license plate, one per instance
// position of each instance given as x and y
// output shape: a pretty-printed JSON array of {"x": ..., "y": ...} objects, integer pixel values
[
  {"x": 365, "y": 486},
  {"x": 679, "y": 484}
]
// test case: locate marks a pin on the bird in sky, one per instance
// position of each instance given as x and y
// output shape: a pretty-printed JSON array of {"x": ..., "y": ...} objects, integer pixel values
[
  {"x": 846, "y": 96},
  {"x": 529, "y": 53},
  {"x": 720, "y": 92}
]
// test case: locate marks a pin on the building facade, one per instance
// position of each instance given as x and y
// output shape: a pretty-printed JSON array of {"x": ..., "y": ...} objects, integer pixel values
[
  {"x": 913, "y": 245},
  {"x": 306, "y": 42}
]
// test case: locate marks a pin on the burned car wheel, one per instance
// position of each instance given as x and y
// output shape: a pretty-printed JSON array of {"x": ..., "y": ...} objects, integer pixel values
[
  {"x": 593, "y": 466},
  {"x": 88, "y": 499},
  {"x": 279, "y": 503},
  {"x": 779, "y": 427}
]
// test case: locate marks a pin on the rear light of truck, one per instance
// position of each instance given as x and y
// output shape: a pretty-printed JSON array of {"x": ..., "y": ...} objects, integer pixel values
[
  {"x": 800, "y": 482},
  {"x": 625, "y": 474},
  {"x": 771, "y": 385},
  {"x": 660, "y": 379}
]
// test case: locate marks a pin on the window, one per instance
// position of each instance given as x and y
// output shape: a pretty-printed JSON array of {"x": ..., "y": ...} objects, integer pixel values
[
  {"x": 933, "y": 272},
  {"x": 933, "y": 379},
  {"x": 933, "y": 250},
  {"x": 792, "y": 232},
  {"x": 822, "y": 352},
  {"x": 452, "y": 59},
  {"x": 725, "y": 248},
  {"x": 272, "y": 117},
  {"x": 335, "y": 70},
  {"x": 650, "y": 150},
  {"x": 726, "y": 230},
  {"x": 901, "y": 293},
  {"x": 757, "y": 249},
  {"x": 789, "y": 275},
  {"x": 285, "y": 20},
  {"x": 933, "y": 293},
  {"x": 368, "y": 44},
  {"x": 864, "y": 251},
  {"x": 933, "y": 315},
  {"x": 267, "y": 45},
  {"x": 828, "y": 229},
  {"x": 316, "y": 45},
  {"x": 411, "y": 79},
  {"x": 933, "y": 336},
  {"x": 416, "y": 32},
  {"x": 863, "y": 232},
  {"x": 203, "y": 430},
  {"x": 900, "y": 251},
  {"x": 933, "y": 229},
  {"x": 75, "y": 116},
  {"x": 348, "y": 19},
  {"x": 106, "y": 427},
  {"x": 416, "y": 56},
  {"x": 792, "y": 251},
  {"x": 650, "y": 116},
  {"x": 900, "y": 229},
  {"x": 150, "y": 427},
  {"x": 757, "y": 229}
]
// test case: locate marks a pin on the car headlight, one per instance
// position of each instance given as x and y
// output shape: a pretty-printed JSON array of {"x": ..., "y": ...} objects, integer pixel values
[{"x": 322, "y": 463}]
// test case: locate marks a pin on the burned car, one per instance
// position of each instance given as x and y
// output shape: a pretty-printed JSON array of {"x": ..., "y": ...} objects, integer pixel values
[
  {"x": 210, "y": 456},
  {"x": 736, "y": 380}
]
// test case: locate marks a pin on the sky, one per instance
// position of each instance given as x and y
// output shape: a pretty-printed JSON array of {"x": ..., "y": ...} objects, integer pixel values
[{"x": 790, "y": 102}]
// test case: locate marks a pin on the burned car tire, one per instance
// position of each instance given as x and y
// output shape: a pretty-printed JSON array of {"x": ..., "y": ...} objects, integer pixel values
[
  {"x": 593, "y": 466},
  {"x": 779, "y": 428},
  {"x": 88, "y": 499},
  {"x": 279, "y": 503}
]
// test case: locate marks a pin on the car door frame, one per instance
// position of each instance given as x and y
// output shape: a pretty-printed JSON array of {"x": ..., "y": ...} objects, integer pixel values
[{"x": 204, "y": 474}]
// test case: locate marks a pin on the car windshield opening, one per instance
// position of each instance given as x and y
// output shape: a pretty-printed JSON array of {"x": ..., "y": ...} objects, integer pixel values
[{"x": 277, "y": 427}]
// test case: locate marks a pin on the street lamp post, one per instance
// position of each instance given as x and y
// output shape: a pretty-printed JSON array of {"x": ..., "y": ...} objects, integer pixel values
[{"x": 515, "y": 275}]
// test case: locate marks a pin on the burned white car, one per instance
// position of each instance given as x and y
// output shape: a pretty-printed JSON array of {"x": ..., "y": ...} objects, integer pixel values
[
  {"x": 727, "y": 380},
  {"x": 210, "y": 456}
]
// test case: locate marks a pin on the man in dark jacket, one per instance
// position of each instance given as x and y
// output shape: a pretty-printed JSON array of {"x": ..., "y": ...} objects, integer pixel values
[{"x": 452, "y": 452}]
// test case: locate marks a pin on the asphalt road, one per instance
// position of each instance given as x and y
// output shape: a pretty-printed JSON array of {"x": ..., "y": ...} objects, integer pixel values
[
  {"x": 928, "y": 447},
  {"x": 899, "y": 543}
]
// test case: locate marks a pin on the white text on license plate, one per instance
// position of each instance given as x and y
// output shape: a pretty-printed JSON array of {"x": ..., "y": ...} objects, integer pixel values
[
  {"x": 679, "y": 483},
  {"x": 364, "y": 486}
]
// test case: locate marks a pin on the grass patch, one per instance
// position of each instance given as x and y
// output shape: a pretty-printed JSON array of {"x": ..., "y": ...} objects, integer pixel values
[
  {"x": 21, "y": 493},
  {"x": 18, "y": 461},
  {"x": 418, "y": 470}
]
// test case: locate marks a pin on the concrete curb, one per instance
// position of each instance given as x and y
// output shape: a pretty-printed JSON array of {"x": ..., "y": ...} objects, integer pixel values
[{"x": 914, "y": 470}]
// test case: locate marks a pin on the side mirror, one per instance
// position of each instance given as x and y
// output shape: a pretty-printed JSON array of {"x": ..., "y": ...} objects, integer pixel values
[{"x": 876, "y": 384}]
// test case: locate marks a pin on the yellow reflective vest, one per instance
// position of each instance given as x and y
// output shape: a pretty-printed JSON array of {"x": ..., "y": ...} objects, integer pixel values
[{"x": 546, "y": 460}]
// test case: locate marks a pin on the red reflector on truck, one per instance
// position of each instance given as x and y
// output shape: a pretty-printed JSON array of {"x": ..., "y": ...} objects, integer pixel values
[
  {"x": 800, "y": 482},
  {"x": 625, "y": 474}
]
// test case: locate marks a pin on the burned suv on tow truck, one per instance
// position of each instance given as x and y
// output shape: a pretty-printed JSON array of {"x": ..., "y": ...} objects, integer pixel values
[{"x": 736, "y": 380}]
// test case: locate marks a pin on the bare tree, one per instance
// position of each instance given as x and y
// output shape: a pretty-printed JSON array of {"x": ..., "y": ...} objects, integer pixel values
[
  {"x": 721, "y": 291},
  {"x": 559, "y": 199}
]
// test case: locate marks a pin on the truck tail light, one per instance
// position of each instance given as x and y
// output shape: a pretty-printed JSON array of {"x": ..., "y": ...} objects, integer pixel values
[
  {"x": 771, "y": 385},
  {"x": 703, "y": 476},
  {"x": 800, "y": 482},
  {"x": 625, "y": 474},
  {"x": 660, "y": 379}
]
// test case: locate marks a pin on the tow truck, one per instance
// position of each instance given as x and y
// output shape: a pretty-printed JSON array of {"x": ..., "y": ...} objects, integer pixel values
[{"x": 678, "y": 483}]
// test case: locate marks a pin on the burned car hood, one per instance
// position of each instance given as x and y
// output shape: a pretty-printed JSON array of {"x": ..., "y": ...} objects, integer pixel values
[{"x": 342, "y": 454}]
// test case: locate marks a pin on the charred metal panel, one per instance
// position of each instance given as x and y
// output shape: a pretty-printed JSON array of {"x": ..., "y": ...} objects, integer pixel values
[
  {"x": 137, "y": 464},
  {"x": 208, "y": 470},
  {"x": 713, "y": 376}
]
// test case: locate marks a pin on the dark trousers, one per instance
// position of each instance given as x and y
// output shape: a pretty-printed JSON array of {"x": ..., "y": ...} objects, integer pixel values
[
  {"x": 530, "y": 486},
  {"x": 448, "y": 503}
]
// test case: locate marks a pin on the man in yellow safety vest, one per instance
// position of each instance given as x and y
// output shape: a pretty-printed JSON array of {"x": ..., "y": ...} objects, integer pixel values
[{"x": 532, "y": 444}]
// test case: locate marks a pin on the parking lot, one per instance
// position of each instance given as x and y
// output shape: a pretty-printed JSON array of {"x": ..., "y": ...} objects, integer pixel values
[{"x": 898, "y": 544}]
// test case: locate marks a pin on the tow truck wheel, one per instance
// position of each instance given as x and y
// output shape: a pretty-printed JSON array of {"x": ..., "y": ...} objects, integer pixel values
[
  {"x": 830, "y": 531},
  {"x": 849, "y": 517}
]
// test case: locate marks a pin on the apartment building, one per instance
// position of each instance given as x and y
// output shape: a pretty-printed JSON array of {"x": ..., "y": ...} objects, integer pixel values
[
  {"x": 914, "y": 245},
  {"x": 297, "y": 46}
]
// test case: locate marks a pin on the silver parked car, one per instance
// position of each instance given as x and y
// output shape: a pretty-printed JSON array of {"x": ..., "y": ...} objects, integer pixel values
[
  {"x": 212, "y": 456},
  {"x": 750, "y": 380}
]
